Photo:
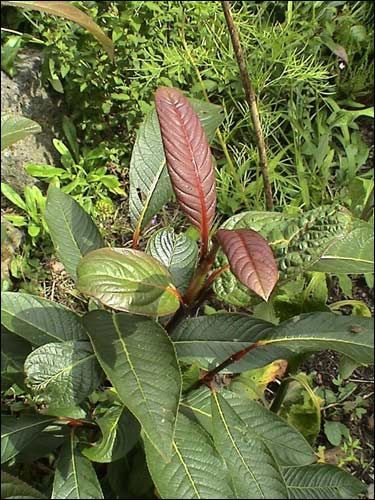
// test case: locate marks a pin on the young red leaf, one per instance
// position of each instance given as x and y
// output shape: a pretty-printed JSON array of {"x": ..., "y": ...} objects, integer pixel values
[
  {"x": 251, "y": 259},
  {"x": 189, "y": 159}
]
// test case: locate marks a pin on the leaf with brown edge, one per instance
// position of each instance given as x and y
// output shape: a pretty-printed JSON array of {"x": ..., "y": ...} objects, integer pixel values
[
  {"x": 250, "y": 259},
  {"x": 189, "y": 159}
]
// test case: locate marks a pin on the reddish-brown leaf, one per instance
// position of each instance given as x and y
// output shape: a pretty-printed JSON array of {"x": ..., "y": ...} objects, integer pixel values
[
  {"x": 251, "y": 259},
  {"x": 189, "y": 159}
]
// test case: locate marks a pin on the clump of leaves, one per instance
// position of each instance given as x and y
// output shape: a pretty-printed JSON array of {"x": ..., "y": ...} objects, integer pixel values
[{"x": 107, "y": 388}]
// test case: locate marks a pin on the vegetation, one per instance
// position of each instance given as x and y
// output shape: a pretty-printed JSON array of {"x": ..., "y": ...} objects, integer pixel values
[{"x": 171, "y": 357}]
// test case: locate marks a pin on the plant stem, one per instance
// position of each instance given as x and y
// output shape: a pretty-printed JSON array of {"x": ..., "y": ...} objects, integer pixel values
[
  {"x": 367, "y": 209},
  {"x": 293, "y": 366},
  {"x": 233, "y": 172},
  {"x": 252, "y": 102}
]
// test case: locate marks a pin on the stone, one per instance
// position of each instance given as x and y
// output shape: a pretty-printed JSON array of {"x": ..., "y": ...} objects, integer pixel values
[{"x": 25, "y": 95}]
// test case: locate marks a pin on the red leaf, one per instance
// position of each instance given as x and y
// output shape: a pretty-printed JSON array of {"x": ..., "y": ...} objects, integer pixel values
[
  {"x": 188, "y": 159},
  {"x": 251, "y": 259}
]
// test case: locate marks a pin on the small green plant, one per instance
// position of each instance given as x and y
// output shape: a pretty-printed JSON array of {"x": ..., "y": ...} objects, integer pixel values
[{"x": 142, "y": 382}]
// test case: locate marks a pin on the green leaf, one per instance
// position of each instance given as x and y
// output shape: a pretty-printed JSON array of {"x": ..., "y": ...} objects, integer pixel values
[
  {"x": 209, "y": 340},
  {"x": 43, "y": 170},
  {"x": 253, "y": 469},
  {"x": 73, "y": 232},
  {"x": 287, "y": 445},
  {"x": 195, "y": 469},
  {"x": 12, "y": 196},
  {"x": 14, "y": 350},
  {"x": 128, "y": 280},
  {"x": 120, "y": 432},
  {"x": 38, "y": 320},
  {"x": 16, "y": 433},
  {"x": 321, "y": 481},
  {"x": 150, "y": 187},
  {"x": 140, "y": 362},
  {"x": 75, "y": 476},
  {"x": 334, "y": 431},
  {"x": 352, "y": 254},
  {"x": 67, "y": 11},
  {"x": 177, "y": 252},
  {"x": 15, "y": 128},
  {"x": 13, "y": 488},
  {"x": 62, "y": 374}
]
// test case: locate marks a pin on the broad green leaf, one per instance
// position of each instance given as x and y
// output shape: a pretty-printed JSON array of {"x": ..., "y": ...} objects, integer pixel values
[
  {"x": 120, "y": 432},
  {"x": 140, "y": 362},
  {"x": 13, "y": 488},
  {"x": 177, "y": 252},
  {"x": 195, "y": 469},
  {"x": 321, "y": 481},
  {"x": 128, "y": 280},
  {"x": 253, "y": 469},
  {"x": 16, "y": 433},
  {"x": 15, "y": 128},
  {"x": 51, "y": 438},
  {"x": 67, "y": 11},
  {"x": 352, "y": 254},
  {"x": 43, "y": 170},
  {"x": 150, "y": 187},
  {"x": 209, "y": 340},
  {"x": 62, "y": 374},
  {"x": 38, "y": 320},
  {"x": 335, "y": 431},
  {"x": 13, "y": 196},
  {"x": 286, "y": 444},
  {"x": 73, "y": 232},
  {"x": 14, "y": 350},
  {"x": 75, "y": 476}
]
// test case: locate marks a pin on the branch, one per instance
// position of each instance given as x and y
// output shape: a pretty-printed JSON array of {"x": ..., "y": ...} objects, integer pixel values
[{"x": 252, "y": 102}]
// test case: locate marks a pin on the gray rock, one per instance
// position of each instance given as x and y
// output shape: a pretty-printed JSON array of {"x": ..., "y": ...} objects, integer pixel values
[{"x": 24, "y": 94}]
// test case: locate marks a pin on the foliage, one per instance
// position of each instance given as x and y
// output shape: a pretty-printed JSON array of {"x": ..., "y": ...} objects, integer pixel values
[{"x": 139, "y": 381}]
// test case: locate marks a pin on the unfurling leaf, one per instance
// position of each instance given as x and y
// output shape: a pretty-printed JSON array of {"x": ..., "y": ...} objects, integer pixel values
[
  {"x": 250, "y": 259},
  {"x": 189, "y": 159},
  {"x": 128, "y": 280},
  {"x": 68, "y": 11}
]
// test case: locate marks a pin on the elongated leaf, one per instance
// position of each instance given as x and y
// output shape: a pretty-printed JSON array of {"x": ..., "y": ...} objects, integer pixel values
[
  {"x": 13, "y": 488},
  {"x": 38, "y": 320},
  {"x": 352, "y": 254},
  {"x": 68, "y": 11},
  {"x": 15, "y": 128},
  {"x": 139, "y": 360},
  {"x": 287, "y": 445},
  {"x": 250, "y": 259},
  {"x": 13, "y": 196},
  {"x": 254, "y": 472},
  {"x": 16, "y": 433},
  {"x": 195, "y": 469},
  {"x": 150, "y": 185},
  {"x": 72, "y": 230},
  {"x": 209, "y": 340},
  {"x": 128, "y": 280},
  {"x": 177, "y": 252},
  {"x": 14, "y": 350},
  {"x": 120, "y": 432},
  {"x": 189, "y": 159},
  {"x": 62, "y": 374},
  {"x": 321, "y": 481},
  {"x": 75, "y": 476}
]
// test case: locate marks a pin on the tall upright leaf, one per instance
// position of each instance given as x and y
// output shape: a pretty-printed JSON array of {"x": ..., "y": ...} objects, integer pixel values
[
  {"x": 39, "y": 320},
  {"x": 17, "y": 433},
  {"x": 140, "y": 362},
  {"x": 72, "y": 230},
  {"x": 150, "y": 185},
  {"x": 195, "y": 469},
  {"x": 62, "y": 374},
  {"x": 75, "y": 476},
  {"x": 177, "y": 252},
  {"x": 68, "y": 11},
  {"x": 252, "y": 467},
  {"x": 189, "y": 159},
  {"x": 128, "y": 280},
  {"x": 250, "y": 259}
]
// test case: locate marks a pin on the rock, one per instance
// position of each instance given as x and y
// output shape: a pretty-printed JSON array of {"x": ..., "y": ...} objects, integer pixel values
[
  {"x": 9, "y": 248},
  {"x": 24, "y": 94},
  {"x": 370, "y": 492}
]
